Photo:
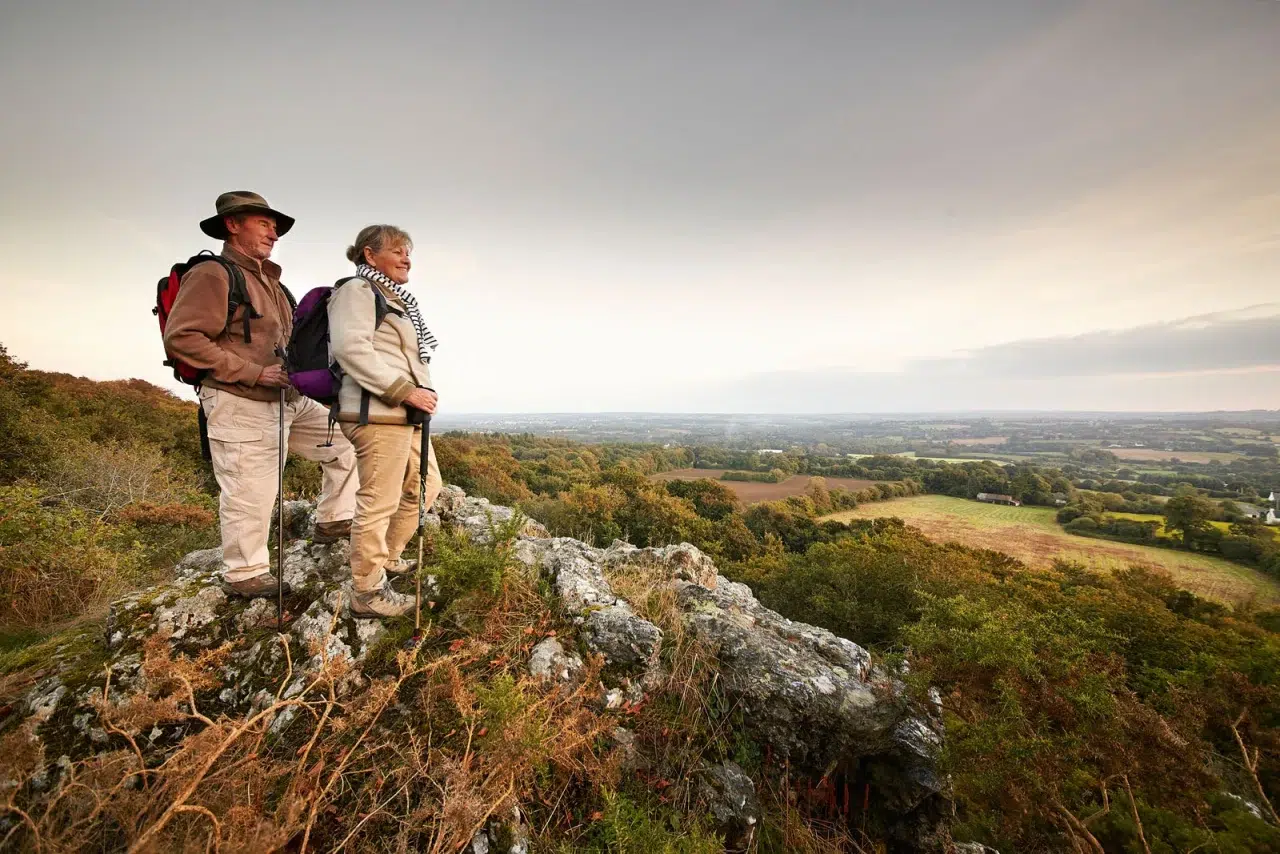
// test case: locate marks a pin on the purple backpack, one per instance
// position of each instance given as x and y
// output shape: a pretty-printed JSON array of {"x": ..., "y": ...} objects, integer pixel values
[{"x": 311, "y": 370}]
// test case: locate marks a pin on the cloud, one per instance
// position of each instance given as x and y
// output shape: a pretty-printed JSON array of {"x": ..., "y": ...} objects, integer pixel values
[
  {"x": 1249, "y": 338},
  {"x": 1221, "y": 361}
]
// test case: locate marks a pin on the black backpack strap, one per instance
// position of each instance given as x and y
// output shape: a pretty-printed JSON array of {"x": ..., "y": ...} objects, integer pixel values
[
  {"x": 202, "y": 422},
  {"x": 237, "y": 291},
  {"x": 238, "y": 295},
  {"x": 293, "y": 303},
  {"x": 364, "y": 406}
]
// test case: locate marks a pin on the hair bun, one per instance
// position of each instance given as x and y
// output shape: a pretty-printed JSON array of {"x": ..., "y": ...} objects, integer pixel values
[{"x": 353, "y": 255}]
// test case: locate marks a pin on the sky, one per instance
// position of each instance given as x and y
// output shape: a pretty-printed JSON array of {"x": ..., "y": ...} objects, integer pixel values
[{"x": 715, "y": 207}]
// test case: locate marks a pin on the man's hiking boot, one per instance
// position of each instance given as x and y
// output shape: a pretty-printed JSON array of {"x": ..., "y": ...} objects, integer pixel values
[
  {"x": 253, "y": 588},
  {"x": 383, "y": 602},
  {"x": 400, "y": 566},
  {"x": 331, "y": 532}
]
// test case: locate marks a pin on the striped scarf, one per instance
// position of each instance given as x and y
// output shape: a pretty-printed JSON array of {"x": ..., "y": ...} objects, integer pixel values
[{"x": 427, "y": 342}]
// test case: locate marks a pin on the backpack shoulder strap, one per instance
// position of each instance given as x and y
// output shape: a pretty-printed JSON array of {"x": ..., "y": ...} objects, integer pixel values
[
  {"x": 238, "y": 295},
  {"x": 237, "y": 290},
  {"x": 380, "y": 305},
  {"x": 293, "y": 303}
]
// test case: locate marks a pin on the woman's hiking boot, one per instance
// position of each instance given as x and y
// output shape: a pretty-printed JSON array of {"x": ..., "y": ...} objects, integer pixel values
[
  {"x": 400, "y": 566},
  {"x": 258, "y": 586},
  {"x": 327, "y": 533},
  {"x": 382, "y": 602}
]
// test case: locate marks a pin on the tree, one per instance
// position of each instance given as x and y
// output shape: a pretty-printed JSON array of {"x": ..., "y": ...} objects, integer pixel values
[
  {"x": 1030, "y": 487},
  {"x": 1230, "y": 510},
  {"x": 711, "y": 500},
  {"x": 1188, "y": 513}
]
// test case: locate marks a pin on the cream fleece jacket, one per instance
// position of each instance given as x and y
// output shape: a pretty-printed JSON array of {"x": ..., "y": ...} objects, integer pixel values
[{"x": 383, "y": 361}]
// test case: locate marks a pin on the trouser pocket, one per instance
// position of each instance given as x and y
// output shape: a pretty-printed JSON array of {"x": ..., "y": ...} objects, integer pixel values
[{"x": 228, "y": 447}]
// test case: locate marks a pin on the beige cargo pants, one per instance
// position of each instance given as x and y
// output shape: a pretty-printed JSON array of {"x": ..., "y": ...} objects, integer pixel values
[
  {"x": 243, "y": 439},
  {"x": 387, "y": 457}
]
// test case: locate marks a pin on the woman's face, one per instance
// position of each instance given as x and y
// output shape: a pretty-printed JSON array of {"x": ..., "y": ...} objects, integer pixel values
[{"x": 391, "y": 261}]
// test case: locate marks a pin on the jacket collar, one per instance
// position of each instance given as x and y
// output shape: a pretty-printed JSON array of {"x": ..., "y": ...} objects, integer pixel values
[
  {"x": 268, "y": 268},
  {"x": 389, "y": 295}
]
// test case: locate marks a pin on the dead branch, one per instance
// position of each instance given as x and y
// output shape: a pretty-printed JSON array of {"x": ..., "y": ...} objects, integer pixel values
[
  {"x": 1077, "y": 827},
  {"x": 180, "y": 801},
  {"x": 1133, "y": 805},
  {"x": 1251, "y": 765},
  {"x": 216, "y": 834}
]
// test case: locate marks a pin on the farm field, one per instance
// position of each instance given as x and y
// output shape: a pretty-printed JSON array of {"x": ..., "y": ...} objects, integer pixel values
[
  {"x": 1224, "y": 527},
  {"x": 912, "y": 455},
  {"x": 754, "y": 493},
  {"x": 1033, "y": 535},
  {"x": 987, "y": 440},
  {"x": 1156, "y": 455}
]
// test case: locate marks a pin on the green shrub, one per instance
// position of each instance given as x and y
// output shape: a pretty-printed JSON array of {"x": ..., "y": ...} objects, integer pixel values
[
  {"x": 1082, "y": 525},
  {"x": 627, "y": 827},
  {"x": 55, "y": 559}
]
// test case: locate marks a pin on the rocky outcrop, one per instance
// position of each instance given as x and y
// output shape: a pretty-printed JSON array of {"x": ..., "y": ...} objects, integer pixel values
[
  {"x": 813, "y": 699},
  {"x": 809, "y": 698}
]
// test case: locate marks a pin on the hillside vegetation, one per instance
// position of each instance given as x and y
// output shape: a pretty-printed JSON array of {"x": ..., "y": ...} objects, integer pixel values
[{"x": 1085, "y": 711}]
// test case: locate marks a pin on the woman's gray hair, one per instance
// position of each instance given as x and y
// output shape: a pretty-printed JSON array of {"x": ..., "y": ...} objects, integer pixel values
[{"x": 377, "y": 238}]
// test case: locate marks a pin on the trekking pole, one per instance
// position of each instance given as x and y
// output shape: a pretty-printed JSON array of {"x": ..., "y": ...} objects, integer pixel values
[
  {"x": 422, "y": 527},
  {"x": 280, "y": 523}
]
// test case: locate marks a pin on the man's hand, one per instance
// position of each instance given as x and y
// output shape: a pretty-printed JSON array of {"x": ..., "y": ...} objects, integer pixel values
[
  {"x": 422, "y": 398},
  {"x": 274, "y": 376}
]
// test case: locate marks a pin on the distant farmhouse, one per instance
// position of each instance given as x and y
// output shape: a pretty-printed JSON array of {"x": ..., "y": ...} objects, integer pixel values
[
  {"x": 770, "y": 451},
  {"x": 1272, "y": 518},
  {"x": 1251, "y": 511},
  {"x": 997, "y": 498}
]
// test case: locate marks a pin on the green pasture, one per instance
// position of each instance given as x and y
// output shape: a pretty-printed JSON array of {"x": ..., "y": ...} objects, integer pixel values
[{"x": 1033, "y": 535}]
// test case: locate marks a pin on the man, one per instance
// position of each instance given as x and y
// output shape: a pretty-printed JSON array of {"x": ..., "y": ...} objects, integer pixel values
[{"x": 240, "y": 393}]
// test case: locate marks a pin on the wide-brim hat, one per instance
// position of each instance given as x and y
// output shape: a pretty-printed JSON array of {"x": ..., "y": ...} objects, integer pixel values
[{"x": 242, "y": 201}]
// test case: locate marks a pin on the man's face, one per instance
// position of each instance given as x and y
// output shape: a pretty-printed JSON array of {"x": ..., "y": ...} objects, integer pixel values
[{"x": 253, "y": 234}]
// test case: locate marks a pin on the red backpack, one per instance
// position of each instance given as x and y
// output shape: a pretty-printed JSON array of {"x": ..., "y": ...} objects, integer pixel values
[{"x": 167, "y": 293}]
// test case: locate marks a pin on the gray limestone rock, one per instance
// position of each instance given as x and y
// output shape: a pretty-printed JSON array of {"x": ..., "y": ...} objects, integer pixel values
[
  {"x": 508, "y": 835},
  {"x": 190, "y": 612},
  {"x": 682, "y": 562},
  {"x": 448, "y": 502},
  {"x": 549, "y": 662},
  {"x": 203, "y": 562},
  {"x": 730, "y": 797},
  {"x": 622, "y": 637},
  {"x": 478, "y": 518},
  {"x": 299, "y": 519}
]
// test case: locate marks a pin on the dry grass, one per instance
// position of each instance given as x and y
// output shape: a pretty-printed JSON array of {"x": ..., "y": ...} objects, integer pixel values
[
  {"x": 417, "y": 760},
  {"x": 1032, "y": 535}
]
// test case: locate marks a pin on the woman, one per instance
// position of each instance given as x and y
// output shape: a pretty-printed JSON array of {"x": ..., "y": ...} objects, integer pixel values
[{"x": 379, "y": 340}]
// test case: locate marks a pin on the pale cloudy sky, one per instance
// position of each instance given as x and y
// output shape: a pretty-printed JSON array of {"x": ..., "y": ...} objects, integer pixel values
[{"x": 721, "y": 206}]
